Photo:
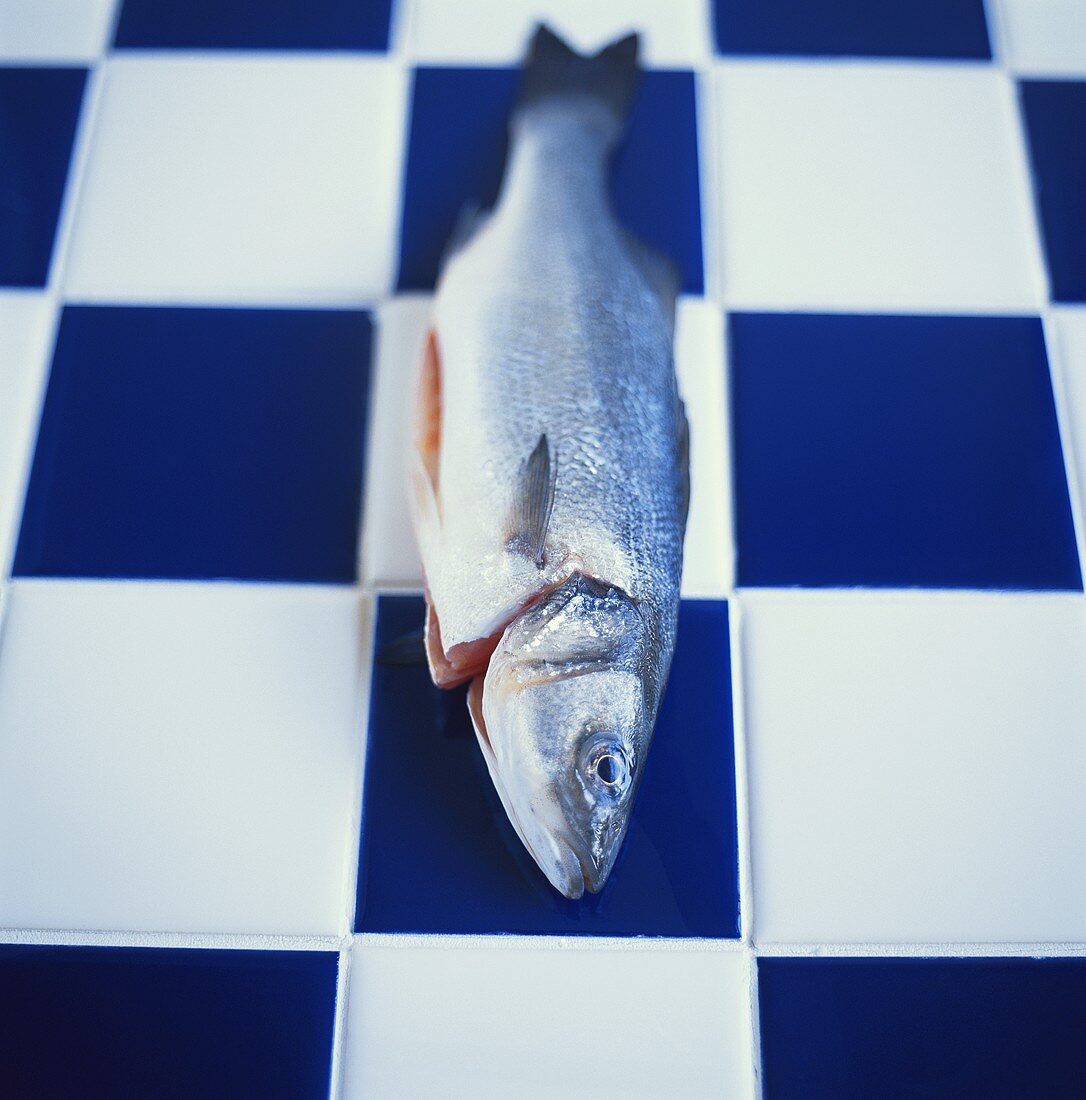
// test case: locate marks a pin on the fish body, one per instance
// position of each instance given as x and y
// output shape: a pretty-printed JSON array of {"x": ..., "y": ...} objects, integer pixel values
[{"x": 550, "y": 479}]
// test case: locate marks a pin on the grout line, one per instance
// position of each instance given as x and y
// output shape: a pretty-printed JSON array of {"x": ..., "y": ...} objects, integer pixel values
[
  {"x": 754, "y": 1022},
  {"x": 249, "y": 55},
  {"x": 796, "y": 61},
  {"x": 1019, "y": 308},
  {"x": 321, "y": 589},
  {"x": 338, "y": 1069},
  {"x": 338, "y": 303},
  {"x": 1042, "y": 950},
  {"x": 243, "y": 941},
  {"x": 268, "y": 941},
  {"x": 786, "y": 593},
  {"x": 742, "y": 769},
  {"x": 505, "y": 941}
]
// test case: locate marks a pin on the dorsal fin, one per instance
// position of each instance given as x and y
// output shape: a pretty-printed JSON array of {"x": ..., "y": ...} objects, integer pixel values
[{"x": 533, "y": 501}]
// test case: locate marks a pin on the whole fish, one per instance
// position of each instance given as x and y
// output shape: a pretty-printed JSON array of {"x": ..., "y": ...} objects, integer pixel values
[{"x": 550, "y": 477}]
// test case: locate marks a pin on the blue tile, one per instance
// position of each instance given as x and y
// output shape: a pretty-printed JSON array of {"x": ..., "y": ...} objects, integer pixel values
[
  {"x": 439, "y": 855},
  {"x": 39, "y": 109},
  {"x": 941, "y": 1029},
  {"x": 457, "y": 151},
  {"x": 898, "y": 451},
  {"x": 200, "y": 443},
  {"x": 110, "y": 1021},
  {"x": 1055, "y": 113},
  {"x": 256, "y": 24},
  {"x": 857, "y": 28}
]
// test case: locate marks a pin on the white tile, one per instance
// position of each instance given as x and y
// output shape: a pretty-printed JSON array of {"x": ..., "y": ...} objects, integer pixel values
[
  {"x": 241, "y": 179},
  {"x": 54, "y": 30},
  {"x": 1069, "y": 371},
  {"x": 389, "y": 555},
  {"x": 26, "y": 325},
  {"x": 916, "y": 766},
  {"x": 483, "y": 1021},
  {"x": 1045, "y": 37},
  {"x": 870, "y": 186},
  {"x": 496, "y": 32},
  {"x": 177, "y": 757},
  {"x": 700, "y": 366}
]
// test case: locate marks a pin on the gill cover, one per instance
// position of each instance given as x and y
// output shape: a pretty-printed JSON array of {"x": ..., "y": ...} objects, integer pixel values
[{"x": 564, "y": 726}]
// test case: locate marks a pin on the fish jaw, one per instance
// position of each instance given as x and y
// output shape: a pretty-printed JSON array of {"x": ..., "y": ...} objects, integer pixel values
[
  {"x": 557, "y": 860},
  {"x": 563, "y": 727}
]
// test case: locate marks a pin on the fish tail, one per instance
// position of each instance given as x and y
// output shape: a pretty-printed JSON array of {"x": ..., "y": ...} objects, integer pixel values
[{"x": 553, "y": 70}]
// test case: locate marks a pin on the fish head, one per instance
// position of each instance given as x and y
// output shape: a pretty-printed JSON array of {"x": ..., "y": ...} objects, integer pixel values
[{"x": 565, "y": 727}]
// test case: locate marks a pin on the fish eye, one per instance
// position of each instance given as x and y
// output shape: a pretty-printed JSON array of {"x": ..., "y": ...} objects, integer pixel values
[{"x": 608, "y": 768}]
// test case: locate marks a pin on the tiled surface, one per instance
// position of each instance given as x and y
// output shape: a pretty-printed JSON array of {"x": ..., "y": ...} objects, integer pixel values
[
  {"x": 852, "y": 28},
  {"x": 914, "y": 765},
  {"x": 108, "y": 1021},
  {"x": 181, "y": 443},
  {"x": 259, "y": 179},
  {"x": 973, "y": 495},
  {"x": 837, "y": 1028},
  {"x": 219, "y": 228},
  {"x": 1055, "y": 112},
  {"x": 39, "y": 108},
  {"x": 870, "y": 186},
  {"x": 633, "y": 1023},
  {"x": 454, "y": 864},
  {"x": 457, "y": 150},
  {"x": 177, "y": 757},
  {"x": 252, "y": 25}
]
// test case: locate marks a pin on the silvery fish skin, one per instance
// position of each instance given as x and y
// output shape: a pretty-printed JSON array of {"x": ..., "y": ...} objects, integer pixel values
[{"x": 550, "y": 478}]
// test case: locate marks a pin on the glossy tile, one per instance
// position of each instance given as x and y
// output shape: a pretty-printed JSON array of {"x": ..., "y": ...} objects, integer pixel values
[
  {"x": 265, "y": 179},
  {"x": 177, "y": 757},
  {"x": 389, "y": 555},
  {"x": 457, "y": 147},
  {"x": 39, "y": 109},
  {"x": 852, "y": 28},
  {"x": 477, "y": 32},
  {"x": 190, "y": 443},
  {"x": 54, "y": 30},
  {"x": 26, "y": 323},
  {"x": 1069, "y": 333},
  {"x": 870, "y": 186},
  {"x": 1055, "y": 116},
  {"x": 1044, "y": 36},
  {"x": 93, "y": 1021},
  {"x": 914, "y": 767},
  {"x": 255, "y": 24},
  {"x": 898, "y": 451},
  {"x": 938, "y": 1028},
  {"x": 438, "y": 854},
  {"x": 493, "y": 1022}
]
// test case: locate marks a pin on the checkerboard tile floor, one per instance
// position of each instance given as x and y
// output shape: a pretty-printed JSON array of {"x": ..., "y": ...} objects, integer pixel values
[{"x": 239, "y": 858}]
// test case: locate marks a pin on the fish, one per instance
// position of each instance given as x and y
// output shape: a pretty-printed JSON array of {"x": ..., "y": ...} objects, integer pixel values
[{"x": 550, "y": 471}]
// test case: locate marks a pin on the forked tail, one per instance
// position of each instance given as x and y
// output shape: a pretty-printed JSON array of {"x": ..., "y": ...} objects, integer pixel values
[{"x": 553, "y": 70}]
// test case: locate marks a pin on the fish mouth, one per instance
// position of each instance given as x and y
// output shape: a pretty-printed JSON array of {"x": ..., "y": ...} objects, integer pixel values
[{"x": 566, "y": 871}]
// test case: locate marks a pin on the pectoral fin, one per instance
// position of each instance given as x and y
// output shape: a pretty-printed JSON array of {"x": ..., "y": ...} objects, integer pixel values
[{"x": 533, "y": 502}]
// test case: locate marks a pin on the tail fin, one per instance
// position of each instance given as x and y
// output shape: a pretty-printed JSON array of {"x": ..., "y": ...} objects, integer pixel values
[{"x": 552, "y": 69}]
